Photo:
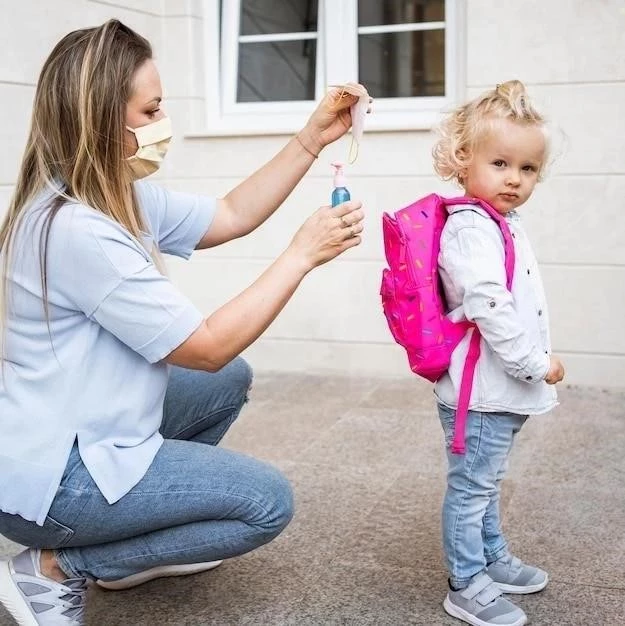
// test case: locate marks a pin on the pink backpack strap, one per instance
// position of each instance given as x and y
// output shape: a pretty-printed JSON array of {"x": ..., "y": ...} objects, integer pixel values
[{"x": 473, "y": 353}]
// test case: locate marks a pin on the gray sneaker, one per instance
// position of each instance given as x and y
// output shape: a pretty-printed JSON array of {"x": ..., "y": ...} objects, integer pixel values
[
  {"x": 482, "y": 604},
  {"x": 512, "y": 576},
  {"x": 37, "y": 601},
  {"x": 157, "y": 572}
]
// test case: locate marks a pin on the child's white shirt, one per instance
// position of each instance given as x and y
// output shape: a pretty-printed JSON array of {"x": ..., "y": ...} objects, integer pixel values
[{"x": 515, "y": 344}]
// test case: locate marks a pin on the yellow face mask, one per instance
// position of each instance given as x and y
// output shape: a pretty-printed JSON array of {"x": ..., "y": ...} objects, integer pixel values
[{"x": 153, "y": 141}]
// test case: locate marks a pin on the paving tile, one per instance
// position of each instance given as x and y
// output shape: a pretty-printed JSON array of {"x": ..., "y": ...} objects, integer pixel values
[
  {"x": 585, "y": 402},
  {"x": 330, "y": 503},
  {"x": 366, "y": 462},
  {"x": 279, "y": 430},
  {"x": 380, "y": 438},
  {"x": 403, "y": 530},
  {"x": 334, "y": 391},
  {"x": 379, "y": 596},
  {"x": 574, "y": 533},
  {"x": 560, "y": 449},
  {"x": 287, "y": 413},
  {"x": 407, "y": 394},
  {"x": 566, "y": 604}
]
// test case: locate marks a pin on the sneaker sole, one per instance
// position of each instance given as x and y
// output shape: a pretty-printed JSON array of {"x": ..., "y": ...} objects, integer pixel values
[
  {"x": 12, "y": 599},
  {"x": 523, "y": 589},
  {"x": 465, "y": 616},
  {"x": 163, "y": 571}
]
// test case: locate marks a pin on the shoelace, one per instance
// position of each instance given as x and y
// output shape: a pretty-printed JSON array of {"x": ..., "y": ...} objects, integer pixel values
[{"x": 74, "y": 598}]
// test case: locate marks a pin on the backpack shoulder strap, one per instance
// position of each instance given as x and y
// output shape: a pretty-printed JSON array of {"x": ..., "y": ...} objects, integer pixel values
[
  {"x": 508, "y": 243},
  {"x": 500, "y": 220}
]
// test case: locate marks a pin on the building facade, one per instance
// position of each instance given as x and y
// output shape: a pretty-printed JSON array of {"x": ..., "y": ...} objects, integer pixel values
[{"x": 240, "y": 78}]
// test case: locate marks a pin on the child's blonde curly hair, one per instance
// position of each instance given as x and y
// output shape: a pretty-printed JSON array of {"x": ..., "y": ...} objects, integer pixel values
[{"x": 463, "y": 127}]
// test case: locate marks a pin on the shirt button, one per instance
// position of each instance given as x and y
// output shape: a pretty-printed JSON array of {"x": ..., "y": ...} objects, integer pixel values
[
  {"x": 540, "y": 311},
  {"x": 528, "y": 378},
  {"x": 528, "y": 271}
]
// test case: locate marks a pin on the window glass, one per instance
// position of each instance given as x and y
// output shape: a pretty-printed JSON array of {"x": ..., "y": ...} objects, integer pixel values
[
  {"x": 277, "y": 71},
  {"x": 278, "y": 16},
  {"x": 403, "y": 65},
  {"x": 406, "y": 62},
  {"x": 277, "y": 56},
  {"x": 374, "y": 13}
]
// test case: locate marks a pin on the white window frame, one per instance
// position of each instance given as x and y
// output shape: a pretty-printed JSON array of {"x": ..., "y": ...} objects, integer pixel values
[{"x": 337, "y": 62}]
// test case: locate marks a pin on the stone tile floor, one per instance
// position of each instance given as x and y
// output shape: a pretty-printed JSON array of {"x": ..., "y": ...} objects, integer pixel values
[{"x": 366, "y": 461}]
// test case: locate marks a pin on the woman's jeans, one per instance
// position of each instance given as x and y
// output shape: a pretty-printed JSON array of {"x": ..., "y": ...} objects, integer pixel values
[
  {"x": 196, "y": 503},
  {"x": 472, "y": 536}
]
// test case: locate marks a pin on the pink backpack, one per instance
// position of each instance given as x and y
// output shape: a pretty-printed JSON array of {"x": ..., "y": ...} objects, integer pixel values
[{"x": 413, "y": 299}]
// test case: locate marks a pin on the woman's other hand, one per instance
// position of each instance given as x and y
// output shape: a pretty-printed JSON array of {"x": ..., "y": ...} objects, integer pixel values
[
  {"x": 331, "y": 119},
  {"x": 328, "y": 232}
]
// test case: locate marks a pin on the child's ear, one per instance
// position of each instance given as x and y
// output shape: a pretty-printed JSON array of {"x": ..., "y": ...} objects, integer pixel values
[{"x": 462, "y": 157}]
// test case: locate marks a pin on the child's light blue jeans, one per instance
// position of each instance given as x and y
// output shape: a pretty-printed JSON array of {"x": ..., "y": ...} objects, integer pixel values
[
  {"x": 472, "y": 536},
  {"x": 196, "y": 503}
]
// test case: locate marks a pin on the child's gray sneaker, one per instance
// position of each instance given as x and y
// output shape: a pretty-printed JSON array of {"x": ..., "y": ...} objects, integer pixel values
[
  {"x": 34, "y": 600},
  {"x": 512, "y": 576},
  {"x": 482, "y": 604}
]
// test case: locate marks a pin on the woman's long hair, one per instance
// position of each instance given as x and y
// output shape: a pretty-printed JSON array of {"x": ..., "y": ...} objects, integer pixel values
[{"x": 75, "y": 146}]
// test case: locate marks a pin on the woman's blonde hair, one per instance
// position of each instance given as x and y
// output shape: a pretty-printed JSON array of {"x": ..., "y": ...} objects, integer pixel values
[
  {"x": 75, "y": 146},
  {"x": 463, "y": 127}
]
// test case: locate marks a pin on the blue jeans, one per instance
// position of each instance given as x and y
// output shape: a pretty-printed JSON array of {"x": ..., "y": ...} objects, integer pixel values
[
  {"x": 472, "y": 536},
  {"x": 196, "y": 503}
]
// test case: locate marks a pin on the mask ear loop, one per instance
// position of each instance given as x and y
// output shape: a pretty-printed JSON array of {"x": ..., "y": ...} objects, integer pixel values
[{"x": 353, "y": 155}]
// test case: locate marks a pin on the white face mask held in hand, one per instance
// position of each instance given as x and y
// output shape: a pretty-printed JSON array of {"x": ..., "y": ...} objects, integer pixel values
[
  {"x": 153, "y": 140},
  {"x": 358, "y": 112}
]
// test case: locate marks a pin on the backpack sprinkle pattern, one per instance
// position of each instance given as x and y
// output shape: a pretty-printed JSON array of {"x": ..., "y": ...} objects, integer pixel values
[{"x": 413, "y": 300}]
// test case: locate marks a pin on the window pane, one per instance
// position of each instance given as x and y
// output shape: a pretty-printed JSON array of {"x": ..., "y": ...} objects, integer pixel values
[
  {"x": 403, "y": 65},
  {"x": 260, "y": 17},
  {"x": 277, "y": 71},
  {"x": 375, "y": 13}
]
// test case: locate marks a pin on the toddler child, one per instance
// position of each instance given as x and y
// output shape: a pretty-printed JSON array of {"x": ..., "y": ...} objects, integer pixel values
[{"x": 496, "y": 148}]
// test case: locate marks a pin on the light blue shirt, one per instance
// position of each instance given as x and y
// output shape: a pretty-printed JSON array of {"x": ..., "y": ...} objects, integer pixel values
[
  {"x": 95, "y": 373},
  {"x": 515, "y": 344}
]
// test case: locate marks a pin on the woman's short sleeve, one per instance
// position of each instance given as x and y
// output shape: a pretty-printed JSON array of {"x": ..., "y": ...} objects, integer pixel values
[
  {"x": 178, "y": 220},
  {"x": 95, "y": 266}
]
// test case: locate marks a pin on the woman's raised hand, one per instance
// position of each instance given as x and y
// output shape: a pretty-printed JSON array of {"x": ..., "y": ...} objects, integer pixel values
[
  {"x": 328, "y": 232},
  {"x": 331, "y": 119}
]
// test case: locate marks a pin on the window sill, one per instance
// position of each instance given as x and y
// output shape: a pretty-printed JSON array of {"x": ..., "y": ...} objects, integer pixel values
[{"x": 237, "y": 126}]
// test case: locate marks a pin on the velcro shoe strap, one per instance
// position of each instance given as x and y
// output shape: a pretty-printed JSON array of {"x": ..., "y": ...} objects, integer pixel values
[
  {"x": 488, "y": 595},
  {"x": 516, "y": 563},
  {"x": 483, "y": 589}
]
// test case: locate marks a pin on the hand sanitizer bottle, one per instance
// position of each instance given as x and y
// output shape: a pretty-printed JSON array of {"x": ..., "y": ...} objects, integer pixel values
[{"x": 340, "y": 193}]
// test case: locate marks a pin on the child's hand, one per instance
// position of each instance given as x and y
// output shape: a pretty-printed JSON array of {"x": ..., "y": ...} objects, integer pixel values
[{"x": 556, "y": 371}]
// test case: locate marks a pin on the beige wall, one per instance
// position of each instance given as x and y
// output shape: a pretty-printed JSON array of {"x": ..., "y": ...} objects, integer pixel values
[{"x": 568, "y": 56}]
